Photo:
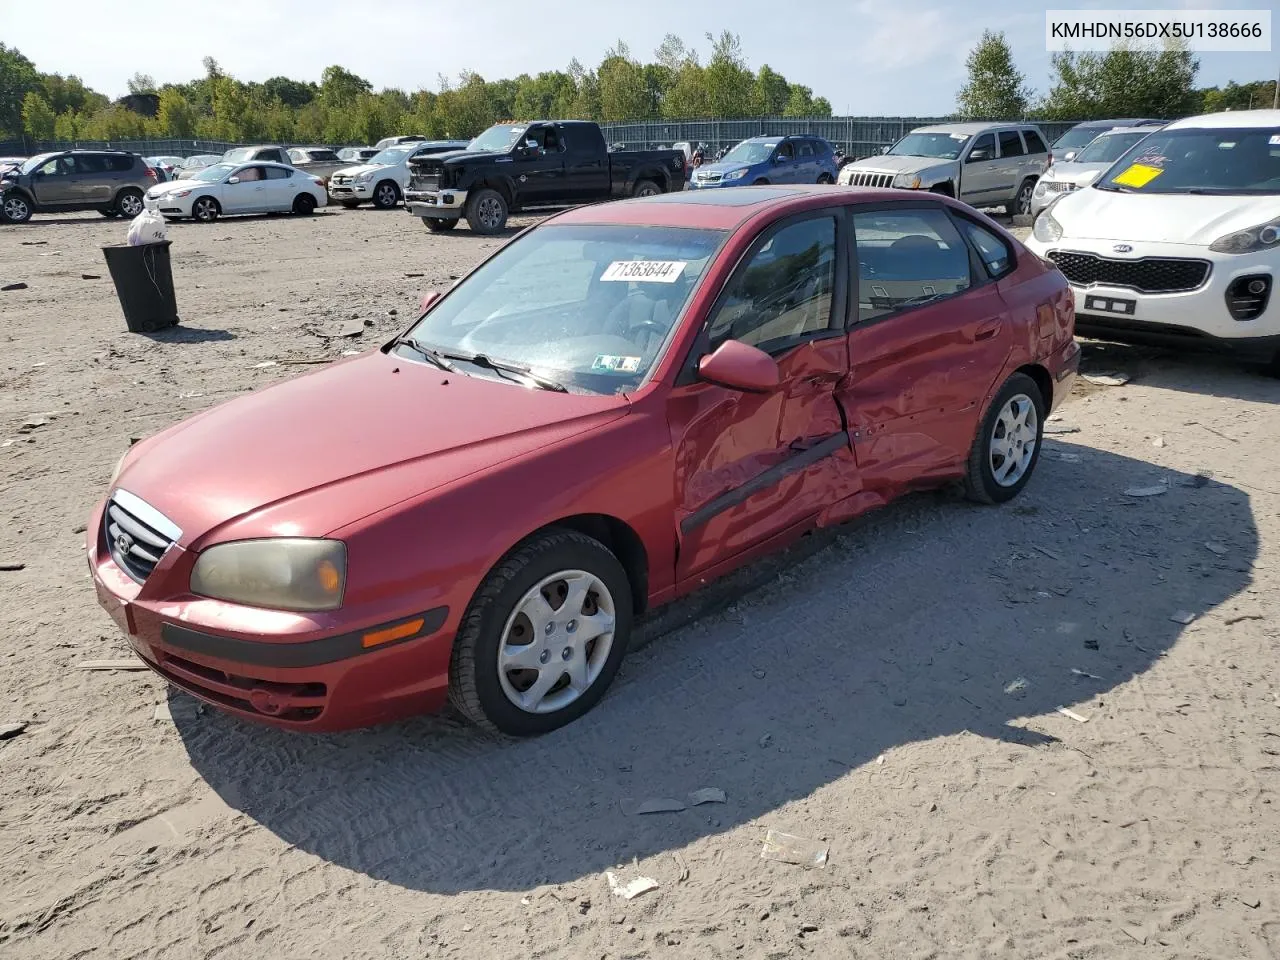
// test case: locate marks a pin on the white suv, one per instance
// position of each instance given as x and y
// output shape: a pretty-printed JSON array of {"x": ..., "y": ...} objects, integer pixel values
[
  {"x": 383, "y": 178},
  {"x": 1178, "y": 242}
]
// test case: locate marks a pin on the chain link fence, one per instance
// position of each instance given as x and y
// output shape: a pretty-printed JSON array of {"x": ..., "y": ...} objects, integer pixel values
[{"x": 857, "y": 136}]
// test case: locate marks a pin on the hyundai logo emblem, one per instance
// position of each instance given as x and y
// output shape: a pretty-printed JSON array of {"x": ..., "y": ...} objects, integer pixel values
[
  {"x": 124, "y": 543},
  {"x": 1122, "y": 248}
]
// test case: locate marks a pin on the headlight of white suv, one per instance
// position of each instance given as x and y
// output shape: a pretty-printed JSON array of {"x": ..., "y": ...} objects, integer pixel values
[
  {"x": 280, "y": 574},
  {"x": 735, "y": 174},
  {"x": 1046, "y": 229},
  {"x": 364, "y": 177},
  {"x": 1263, "y": 237}
]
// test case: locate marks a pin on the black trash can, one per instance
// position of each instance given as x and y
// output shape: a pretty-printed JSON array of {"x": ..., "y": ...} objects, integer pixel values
[{"x": 144, "y": 283}]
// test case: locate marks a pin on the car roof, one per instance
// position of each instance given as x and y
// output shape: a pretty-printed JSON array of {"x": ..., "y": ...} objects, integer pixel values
[
  {"x": 726, "y": 208},
  {"x": 1131, "y": 128},
  {"x": 1230, "y": 119},
  {"x": 1117, "y": 122},
  {"x": 974, "y": 128}
]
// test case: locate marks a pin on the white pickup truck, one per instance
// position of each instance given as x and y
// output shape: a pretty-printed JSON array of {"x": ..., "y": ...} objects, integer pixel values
[{"x": 382, "y": 180}]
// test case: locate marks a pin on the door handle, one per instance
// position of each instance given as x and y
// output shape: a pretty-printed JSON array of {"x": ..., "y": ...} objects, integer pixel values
[{"x": 987, "y": 329}]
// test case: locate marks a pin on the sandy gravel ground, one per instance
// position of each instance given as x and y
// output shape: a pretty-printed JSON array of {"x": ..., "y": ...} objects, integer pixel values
[{"x": 892, "y": 694}]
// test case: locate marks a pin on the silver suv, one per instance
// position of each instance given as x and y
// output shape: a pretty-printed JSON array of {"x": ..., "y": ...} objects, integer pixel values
[
  {"x": 983, "y": 164},
  {"x": 110, "y": 181}
]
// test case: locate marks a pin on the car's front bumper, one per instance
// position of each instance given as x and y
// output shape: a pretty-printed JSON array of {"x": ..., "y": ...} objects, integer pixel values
[
  {"x": 296, "y": 671},
  {"x": 435, "y": 204},
  {"x": 347, "y": 192},
  {"x": 1196, "y": 318},
  {"x": 167, "y": 206}
]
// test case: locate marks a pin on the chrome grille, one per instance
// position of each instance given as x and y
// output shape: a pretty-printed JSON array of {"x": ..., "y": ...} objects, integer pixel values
[
  {"x": 137, "y": 534},
  {"x": 709, "y": 177},
  {"x": 340, "y": 179},
  {"x": 1146, "y": 275},
  {"x": 858, "y": 178},
  {"x": 1058, "y": 186}
]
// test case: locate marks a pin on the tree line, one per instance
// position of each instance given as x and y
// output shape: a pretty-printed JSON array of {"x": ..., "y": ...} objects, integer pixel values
[
  {"x": 1122, "y": 82},
  {"x": 344, "y": 107}
]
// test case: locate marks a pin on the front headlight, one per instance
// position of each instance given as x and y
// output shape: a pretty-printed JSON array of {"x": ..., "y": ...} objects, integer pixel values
[
  {"x": 735, "y": 175},
  {"x": 1263, "y": 237},
  {"x": 364, "y": 177},
  {"x": 1041, "y": 189},
  {"x": 183, "y": 193},
  {"x": 1046, "y": 229},
  {"x": 281, "y": 574}
]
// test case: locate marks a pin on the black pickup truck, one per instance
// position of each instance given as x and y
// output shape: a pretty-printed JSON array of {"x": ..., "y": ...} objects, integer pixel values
[{"x": 523, "y": 166}]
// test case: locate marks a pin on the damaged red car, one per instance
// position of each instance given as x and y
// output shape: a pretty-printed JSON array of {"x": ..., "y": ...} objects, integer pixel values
[{"x": 617, "y": 406}]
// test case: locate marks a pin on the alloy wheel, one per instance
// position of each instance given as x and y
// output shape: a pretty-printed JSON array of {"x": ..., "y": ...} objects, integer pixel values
[{"x": 1013, "y": 440}]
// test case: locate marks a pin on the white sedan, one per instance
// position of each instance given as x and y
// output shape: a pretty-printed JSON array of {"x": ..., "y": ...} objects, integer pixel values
[
  {"x": 231, "y": 188},
  {"x": 1178, "y": 243}
]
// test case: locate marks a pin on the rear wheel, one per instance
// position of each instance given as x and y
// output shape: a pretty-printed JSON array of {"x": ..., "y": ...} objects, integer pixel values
[
  {"x": 304, "y": 204},
  {"x": 1021, "y": 204},
  {"x": 436, "y": 225},
  {"x": 646, "y": 188},
  {"x": 1007, "y": 447},
  {"x": 16, "y": 209},
  {"x": 543, "y": 636},
  {"x": 826, "y": 178},
  {"x": 350, "y": 204},
  {"x": 487, "y": 211},
  {"x": 129, "y": 203},
  {"x": 386, "y": 195},
  {"x": 206, "y": 210}
]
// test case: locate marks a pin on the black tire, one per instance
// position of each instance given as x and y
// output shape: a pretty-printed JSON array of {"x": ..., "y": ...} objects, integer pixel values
[
  {"x": 304, "y": 204},
  {"x": 944, "y": 189},
  {"x": 109, "y": 212},
  {"x": 129, "y": 202},
  {"x": 436, "y": 225},
  {"x": 762, "y": 182},
  {"x": 487, "y": 211},
  {"x": 1021, "y": 204},
  {"x": 205, "y": 210},
  {"x": 350, "y": 204},
  {"x": 15, "y": 208},
  {"x": 386, "y": 195},
  {"x": 826, "y": 178},
  {"x": 646, "y": 188},
  {"x": 474, "y": 684},
  {"x": 980, "y": 483}
]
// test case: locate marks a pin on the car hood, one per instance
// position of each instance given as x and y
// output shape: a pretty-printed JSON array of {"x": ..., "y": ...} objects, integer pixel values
[
  {"x": 887, "y": 164},
  {"x": 461, "y": 156},
  {"x": 357, "y": 170},
  {"x": 721, "y": 167},
  {"x": 1078, "y": 173},
  {"x": 171, "y": 186},
  {"x": 318, "y": 452},
  {"x": 1094, "y": 214}
]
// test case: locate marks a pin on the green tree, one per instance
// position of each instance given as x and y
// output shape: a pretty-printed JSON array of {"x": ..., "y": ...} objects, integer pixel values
[
  {"x": 176, "y": 117},
  {"x": 18, "y": 77},
  {"x": 340, "y": 87},
  {"x": 67, "y": 127},
  {"x": 69, "y": 93},
  {"x": 771, "y": 93},
  {"x": 728, "y": 81},
  {"x": 142, "y": 83},
  {"x": 292, "y": 93},
  {"x": 995, "y": 89},
  {"x": 802, "y": 103},
  {"x": 1123, "y": 82},
  {"x": 38, "y": 118},
  {"x": 1258, "y": 95},
  {"x": 624, "y": 94}
]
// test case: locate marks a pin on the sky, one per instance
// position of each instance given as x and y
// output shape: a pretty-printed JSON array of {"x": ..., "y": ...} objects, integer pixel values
[{"x": 867, "y": 57}]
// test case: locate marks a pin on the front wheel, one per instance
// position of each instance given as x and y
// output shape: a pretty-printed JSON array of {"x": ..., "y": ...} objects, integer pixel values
[
  {"x": 304, "y": 204},
  {"x": 16, "y": 209},
  {"x": 350, "y": 204},
  {"x": 762, "y": 182},
  {"x": 543, "y": 636},
  {"x": 386, "y": 195},
  {"x": 487, "y": 211},
  {"x": 1021, "y": 204},
  {"x": 436, "y": 225},
  {"x": 1007, "y": 447},
  {"x": 110, "y": 212},
  {"x": 206, "y": 210}
]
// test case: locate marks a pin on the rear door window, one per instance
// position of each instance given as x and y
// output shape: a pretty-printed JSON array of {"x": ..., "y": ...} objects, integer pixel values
[
  {"x": 907, "y": 258},
  {"x": 278, "y": 173},
  {"x": 1011, "y": 144}
]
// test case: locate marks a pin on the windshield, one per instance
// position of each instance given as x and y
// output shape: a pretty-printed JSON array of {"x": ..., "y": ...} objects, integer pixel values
[
  {"x": 320, "y": 156},
  {"x": 497, "y": 139},
  {"x": 1076, "y": 137},
  {"x": 393, "y": 155},
  {"x": 1109, "y": 147},
  {"x": 588, "y": 306},
  {"x": 216, "y": 172},
  {"x": 939, "y": 146},
  {"x": 1242, "y": 161},
  {"x": 36, "y": 161},
  {"x": 751, "y": 152}
]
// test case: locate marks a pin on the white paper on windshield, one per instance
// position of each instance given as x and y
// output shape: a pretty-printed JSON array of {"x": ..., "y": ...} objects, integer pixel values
[
  {"x": 959, "y": 136},
  {"x": 1274, "y": 141},
  {"x": 645, "y": 271}
]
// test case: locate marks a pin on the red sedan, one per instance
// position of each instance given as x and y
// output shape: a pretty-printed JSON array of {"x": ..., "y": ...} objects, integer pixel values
[{"x": 619, "y": 405}]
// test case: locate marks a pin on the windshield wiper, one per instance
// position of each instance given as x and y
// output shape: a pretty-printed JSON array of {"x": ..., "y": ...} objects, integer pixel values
[
  {"x": 508, "y": 370},
  {"x": 1112, "y": 189},
  {"x": 434, "y": 356}
]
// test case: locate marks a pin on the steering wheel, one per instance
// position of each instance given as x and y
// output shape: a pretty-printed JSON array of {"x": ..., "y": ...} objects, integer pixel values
[{"x": 654, "y": 325}]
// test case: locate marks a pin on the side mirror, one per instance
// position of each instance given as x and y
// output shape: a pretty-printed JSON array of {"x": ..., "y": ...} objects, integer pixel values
[
  {"x": 739, "y": 366},
  {"x": 429, "y": 299},
  {"x": 234, "y": 180},
  {"x": 977, "y": 155},
  {"x": 779, "y": 159},
  {"x": 1068, "y": 156},
  {"x": 886, "y": 149}
]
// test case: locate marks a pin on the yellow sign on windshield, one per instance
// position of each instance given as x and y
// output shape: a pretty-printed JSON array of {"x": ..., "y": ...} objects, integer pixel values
[{"x": 1137, "y": 176}]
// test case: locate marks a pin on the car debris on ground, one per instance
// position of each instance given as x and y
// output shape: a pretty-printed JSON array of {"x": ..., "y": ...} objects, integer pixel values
[
  {"x": 632, "y": 888},
  {"x": 788, "y": 848}
]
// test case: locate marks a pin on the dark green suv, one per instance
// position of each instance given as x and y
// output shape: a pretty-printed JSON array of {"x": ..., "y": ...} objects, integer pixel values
[{"x": 110, "y": 181}]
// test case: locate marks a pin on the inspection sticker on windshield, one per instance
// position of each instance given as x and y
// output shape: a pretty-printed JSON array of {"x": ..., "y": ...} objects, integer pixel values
[
  {"x": 645, "y": 271},
  {"x": 1138, "y": 176},
  {"x": 1274, "y": 141},
  {"x": 610, "y": 364}
]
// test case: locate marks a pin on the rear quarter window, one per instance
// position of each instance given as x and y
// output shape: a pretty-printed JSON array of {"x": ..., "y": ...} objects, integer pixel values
[{"x": 1034, "y": 143}]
